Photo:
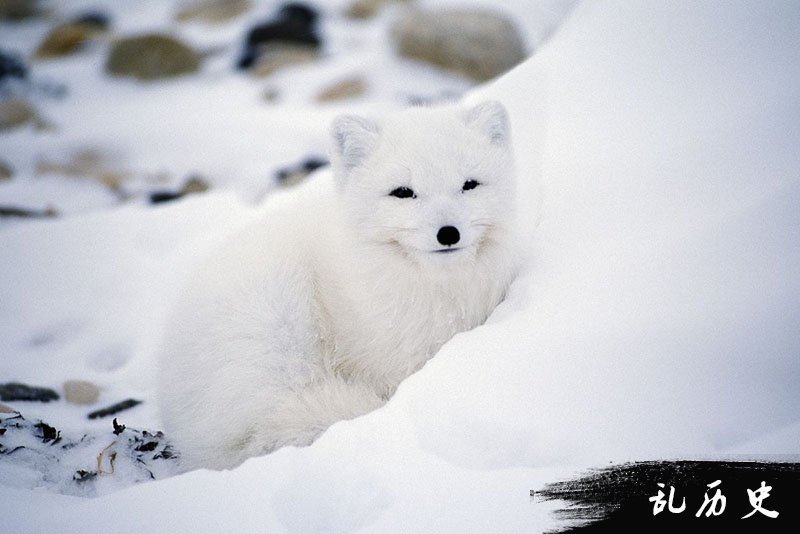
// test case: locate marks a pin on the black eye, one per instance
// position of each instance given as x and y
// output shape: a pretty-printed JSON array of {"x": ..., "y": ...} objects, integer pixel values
[
  {"x": 403, "y": 192},
  {"x": 470, "y": 184}
]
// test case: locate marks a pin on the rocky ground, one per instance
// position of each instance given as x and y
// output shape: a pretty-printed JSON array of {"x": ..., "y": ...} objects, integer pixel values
[{"x": 103, "y": 104}]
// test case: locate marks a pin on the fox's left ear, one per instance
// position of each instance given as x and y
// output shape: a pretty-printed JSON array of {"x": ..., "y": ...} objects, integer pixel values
[
  {"x": 491, "y": 119},
  {"x": 353, "y": 139}
]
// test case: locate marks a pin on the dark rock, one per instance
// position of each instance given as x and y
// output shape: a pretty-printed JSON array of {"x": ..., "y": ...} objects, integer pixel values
[
  {"x": 295, "y": 174},
  {"x": 13, "y": 211},
  {"x": 313, "y": 163},
  {"x": 14, "y": 391},
  {"x": 478, "y": 43},
  {"x": 159, "y": 197},
  {"x": 151, "y": 57},
  {"x": 11, "y": 66},
  {"x": 295, "y": 24},
  {"x": 114, "y": 408},
  {"x": 19, "y": 9},
  {"x": 96, "y": 19},
  {"x": 195, "y": 184}
]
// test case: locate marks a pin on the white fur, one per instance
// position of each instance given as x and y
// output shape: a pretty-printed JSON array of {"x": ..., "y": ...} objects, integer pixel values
[{"x": 319, "y": 311}]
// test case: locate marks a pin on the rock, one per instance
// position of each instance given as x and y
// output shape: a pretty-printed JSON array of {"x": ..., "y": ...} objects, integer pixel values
[
  {"x": 152, "y": 57},
  {"x": 4, "y": 408},
  {"x": 313, "y": 163},
  {"x": 87, "y": 163},
  {"x": 159, "y": 197},
  {"x": 213, "y": 11},
  {"x": 365, "y": 9},
  {"x": 114, "y": 408},
  {"x": 14, "y": 391},
  {"x": 15, "y": 112},
  {"x": 11, "y": 66},
  {"x": 14, "y": 211},
  {"x": 65, "y": 39},
  {"x": 18, "y": 9},
  {"x": 480, "y": 44},
  {"x": 6, "y": 172},
  {"x": 295, "y": 174},
  {"x": 281, "y": 55},
  {"x": 195, "y": 184},
  {"x": 96, "y": 19},
  {"x": 295, "y": 24},
  {"x": 81, "y": 392},
  {"x": 349, "y": 88},
  {"x": 271, "y": 95}
]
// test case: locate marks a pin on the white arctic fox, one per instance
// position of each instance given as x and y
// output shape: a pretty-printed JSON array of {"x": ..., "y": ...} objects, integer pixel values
[{"x": 316, "y": 313}]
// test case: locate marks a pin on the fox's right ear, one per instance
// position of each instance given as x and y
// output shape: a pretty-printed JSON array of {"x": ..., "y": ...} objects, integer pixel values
[{"x": 353, "y": 139}]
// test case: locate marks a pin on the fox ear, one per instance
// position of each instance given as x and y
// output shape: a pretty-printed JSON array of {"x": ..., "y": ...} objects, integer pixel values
[
  {"x": 354, "y": 138},
  {"x": 491, "y": 119}
]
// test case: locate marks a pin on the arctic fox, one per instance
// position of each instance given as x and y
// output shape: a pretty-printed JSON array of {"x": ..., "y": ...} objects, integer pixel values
[{"x": 316, "y": 313}]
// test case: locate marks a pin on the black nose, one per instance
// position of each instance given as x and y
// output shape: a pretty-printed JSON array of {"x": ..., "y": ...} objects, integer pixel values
[{"x": 448, "y": 235}]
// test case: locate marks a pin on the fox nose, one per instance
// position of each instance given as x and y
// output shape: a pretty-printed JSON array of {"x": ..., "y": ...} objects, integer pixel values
[{"x": 448, "y": 235}]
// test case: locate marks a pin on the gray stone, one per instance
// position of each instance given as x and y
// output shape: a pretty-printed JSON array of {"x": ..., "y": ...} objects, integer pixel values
[
  {"x": 366, "y": 9},
  {"x": 152, "y": 57},
  {"x": 343, "y": 90},
  {"x": 212, "y": 11},
  {"x": 6, "y": 171},
  {"x": 81, "y": 392},
  {"x": 18, "y": 9},
  {"x": 66, "y": 39},
  {"x": 15, "y": 112},
  {"x": 195, "y": 184},
  {"x": 480, "y": 44},
  {"x": 279, "y": 56}
]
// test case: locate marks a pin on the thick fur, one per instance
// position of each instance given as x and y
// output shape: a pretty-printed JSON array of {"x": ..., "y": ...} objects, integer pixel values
[{"x": 319, "y": 311}]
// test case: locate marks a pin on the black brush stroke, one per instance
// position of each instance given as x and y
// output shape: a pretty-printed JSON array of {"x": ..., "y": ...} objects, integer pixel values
[{"x": 616, "y": 498}]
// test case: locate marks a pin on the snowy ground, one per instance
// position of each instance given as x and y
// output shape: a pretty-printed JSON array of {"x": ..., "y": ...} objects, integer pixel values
[{"x": 657, "y": 317}]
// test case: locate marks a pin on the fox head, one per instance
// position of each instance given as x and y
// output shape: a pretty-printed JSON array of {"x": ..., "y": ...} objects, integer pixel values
[{"x": 433, "y": 185}]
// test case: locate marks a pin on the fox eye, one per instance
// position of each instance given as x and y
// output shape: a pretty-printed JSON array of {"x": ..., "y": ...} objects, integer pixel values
[
  {"x": 470, "y": 184},
  {"x": 403, "y": 192}
]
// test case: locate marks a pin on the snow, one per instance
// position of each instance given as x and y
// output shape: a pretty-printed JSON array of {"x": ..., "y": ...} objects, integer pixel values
[{"x": 657, "y": 316}]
